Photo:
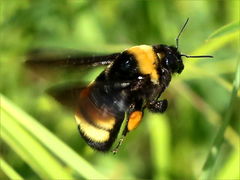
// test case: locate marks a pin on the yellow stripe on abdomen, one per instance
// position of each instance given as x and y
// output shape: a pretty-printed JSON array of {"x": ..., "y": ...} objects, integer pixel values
[
  {"x": 91, "y": 132},
  {"x": 146, "y": 59}
]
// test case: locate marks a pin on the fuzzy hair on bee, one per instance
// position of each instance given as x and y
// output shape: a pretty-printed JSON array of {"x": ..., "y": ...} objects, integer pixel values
[{"x": 132, "y": 81}]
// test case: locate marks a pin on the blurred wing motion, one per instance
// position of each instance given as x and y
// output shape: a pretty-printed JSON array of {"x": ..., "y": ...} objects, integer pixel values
[
  {"x": 67, "y": 94},
  {"x": 55, "y": 58},
  {"x": 55, "y": 64}
]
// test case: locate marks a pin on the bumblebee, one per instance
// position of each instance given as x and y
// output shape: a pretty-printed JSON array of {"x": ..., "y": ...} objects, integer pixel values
[{"x": 133, "y": 80}]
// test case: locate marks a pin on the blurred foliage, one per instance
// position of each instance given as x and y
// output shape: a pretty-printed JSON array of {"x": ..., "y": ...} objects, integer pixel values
[{"x": 39, "y": 138}]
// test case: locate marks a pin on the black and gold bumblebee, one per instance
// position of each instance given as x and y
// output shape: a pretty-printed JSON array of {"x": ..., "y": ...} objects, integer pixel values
[{"x": 133, "y": 80}]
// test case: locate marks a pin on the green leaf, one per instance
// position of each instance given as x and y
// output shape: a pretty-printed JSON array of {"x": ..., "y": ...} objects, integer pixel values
[
  {"x": 28, "y": 148},
  {"x": 194, "y": 71},
  {"x": 207, "y": 110},
  {"x": 22, "y": 132},
  {"x": 213, "y": 45},
  {"x": 9, "y": 171},
  {"x": 159, "y": 130},
  {"x": 231, "y": 169},
  {"x": 229, "y": 28},
  {"x": 207, "y": 170}
]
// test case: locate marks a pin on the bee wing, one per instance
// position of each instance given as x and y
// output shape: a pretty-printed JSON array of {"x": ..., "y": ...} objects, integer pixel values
[
  {"x": 53, "y": 65},
  {"x": 66, "y": 59},
  {"x": 66, "y": 94}
]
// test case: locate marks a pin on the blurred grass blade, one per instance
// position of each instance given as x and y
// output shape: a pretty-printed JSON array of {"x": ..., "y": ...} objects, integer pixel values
[
  {"x": 195, "y": 71},
  {"x": 231, "y": 169},
  {"x": 207, "y": 170},
  {"x": 28, "y": 148},
  {"x": 9, "y": 171},
  {"x": 197, "y": 102},
  {"x": 223, "y": 66},
  {"x": 229, "y": 28},
  {"x": 160, "y": 144},
  {"x": 213, "y": 45},
  {"x": 202, "y": 106},
  {"x": 55, "y": 145}
]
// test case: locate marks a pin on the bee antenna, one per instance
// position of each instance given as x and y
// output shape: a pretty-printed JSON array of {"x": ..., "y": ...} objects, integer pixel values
[
  {"x": 184, "y": 25},
  {"x": 202, "y": 56}
]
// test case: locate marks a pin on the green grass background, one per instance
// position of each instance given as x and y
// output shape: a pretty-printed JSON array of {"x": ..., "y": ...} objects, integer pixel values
[{"x": 198, "y": 136}]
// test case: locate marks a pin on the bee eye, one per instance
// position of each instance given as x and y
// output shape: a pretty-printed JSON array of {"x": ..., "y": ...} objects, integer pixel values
[{"x": 171, "y": 63}]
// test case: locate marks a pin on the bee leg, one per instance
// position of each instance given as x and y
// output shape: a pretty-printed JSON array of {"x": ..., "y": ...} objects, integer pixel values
[
  {"x": 134, "y": 117},
  {"x": 115, "y": 150},
  {"x": 158, "y": 106}
]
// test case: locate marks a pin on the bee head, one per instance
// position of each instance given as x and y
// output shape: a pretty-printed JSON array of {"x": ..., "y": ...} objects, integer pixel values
[{"x": 170, "y": 58}]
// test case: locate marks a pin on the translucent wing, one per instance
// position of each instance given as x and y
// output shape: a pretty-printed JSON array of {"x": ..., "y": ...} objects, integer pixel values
[
  {"x": 63, "y": 64},
  {"x": 59, "y": 58}
]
